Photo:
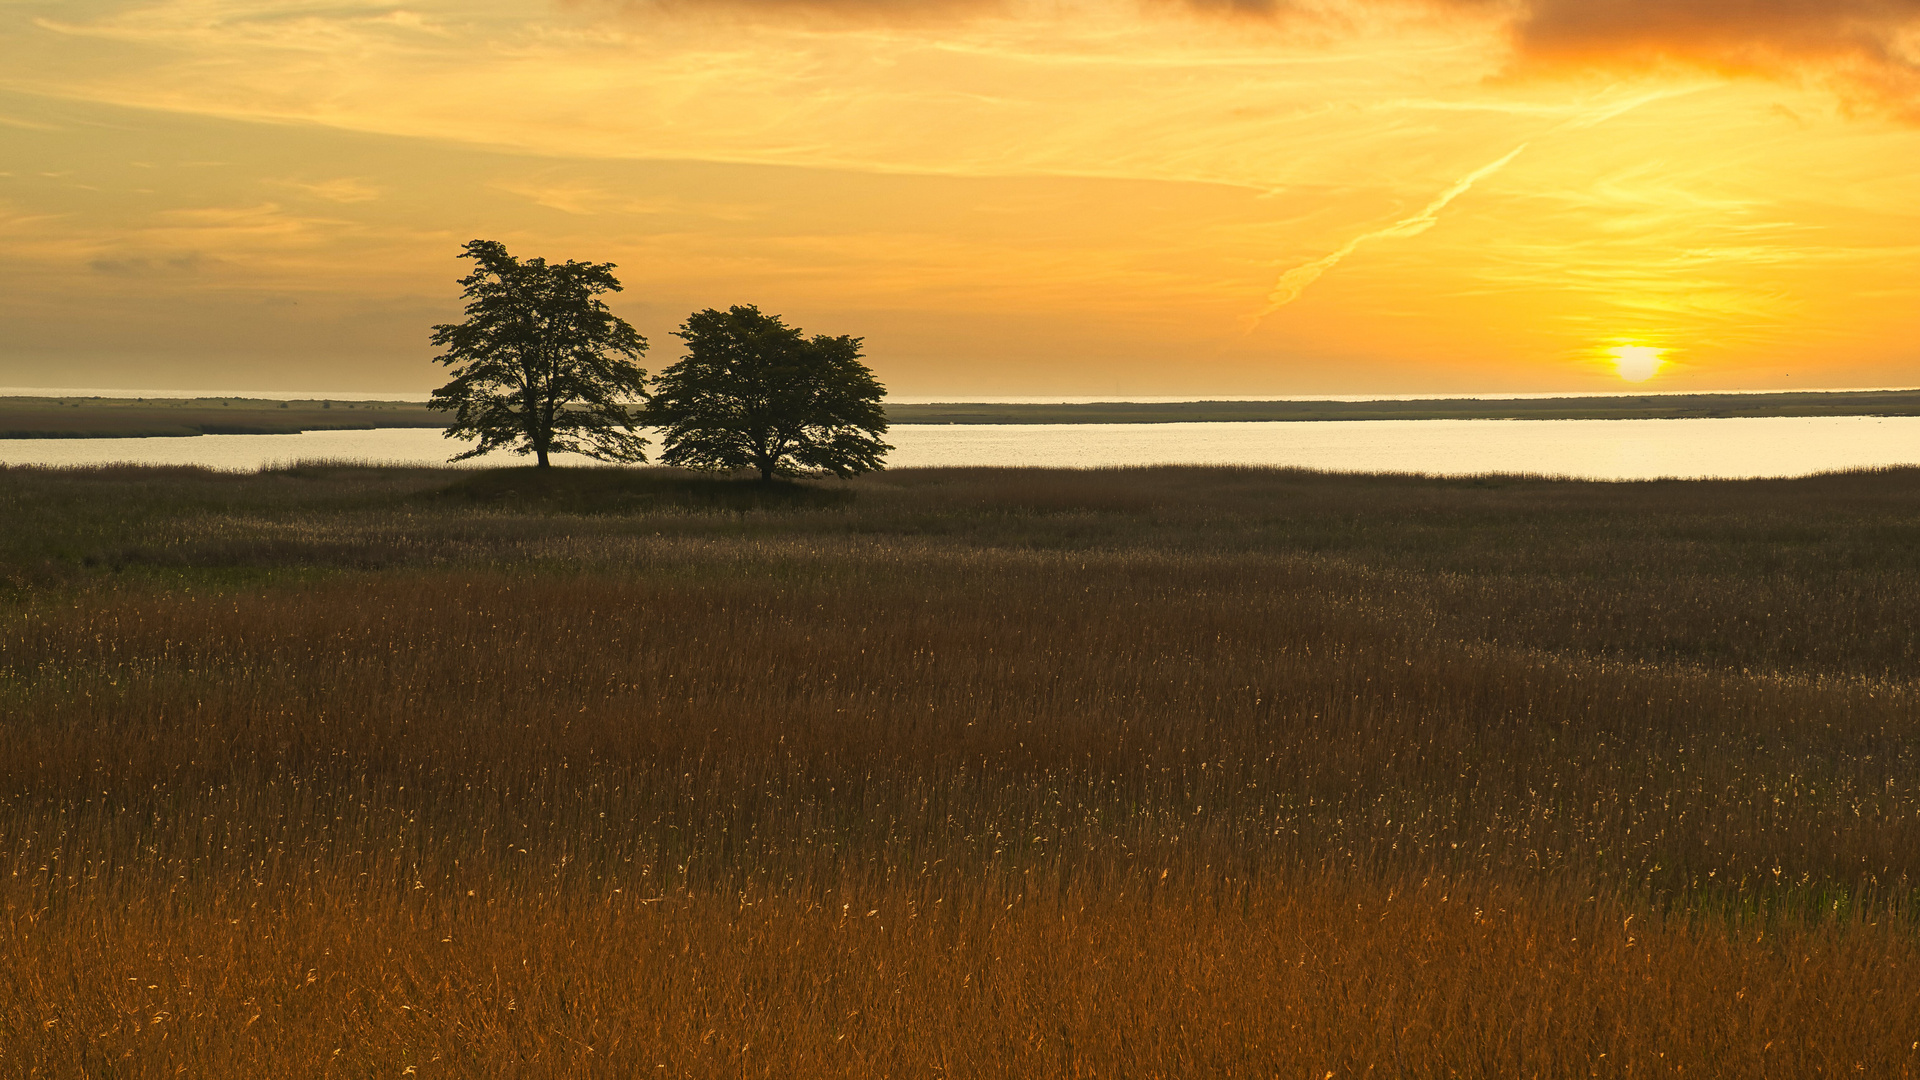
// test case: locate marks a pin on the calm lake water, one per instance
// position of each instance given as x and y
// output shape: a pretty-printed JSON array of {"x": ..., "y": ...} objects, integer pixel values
[{"x": 1597, "y": 449}]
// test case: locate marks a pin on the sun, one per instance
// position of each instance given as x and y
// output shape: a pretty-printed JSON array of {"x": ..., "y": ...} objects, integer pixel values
[{"x": 1637, "y": 363}]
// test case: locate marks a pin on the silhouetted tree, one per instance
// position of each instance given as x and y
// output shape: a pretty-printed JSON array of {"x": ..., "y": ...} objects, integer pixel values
[
  {"x": 540, "y": 366},
  {"x": 755, "y": 393}
]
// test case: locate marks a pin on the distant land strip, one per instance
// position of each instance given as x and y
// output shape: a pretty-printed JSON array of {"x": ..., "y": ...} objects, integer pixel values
[
  {"x": 131, "y": 418},
  {"x": 101, "y": 417},
  {"x": 1623, "y": 407}
]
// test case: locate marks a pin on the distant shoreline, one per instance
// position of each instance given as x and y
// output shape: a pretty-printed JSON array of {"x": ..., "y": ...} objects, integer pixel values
[
  {"x": 105, "y": 417},
  {"x": 1569, "y": 407},
  {"x": 137, "y": 418}
]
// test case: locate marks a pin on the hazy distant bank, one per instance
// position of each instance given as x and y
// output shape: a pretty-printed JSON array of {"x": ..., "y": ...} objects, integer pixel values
[
  {"x": 110, "y": 418},
  {"x": 1570, "y": 407},
  {"x": 90, "y": 417}
]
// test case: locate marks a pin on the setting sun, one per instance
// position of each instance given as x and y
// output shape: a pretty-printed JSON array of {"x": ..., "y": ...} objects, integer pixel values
[{"x": 1636, "y": 363}]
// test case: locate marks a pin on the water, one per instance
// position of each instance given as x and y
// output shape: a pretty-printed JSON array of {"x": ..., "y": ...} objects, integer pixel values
[{"x": 1595, "y": 449}]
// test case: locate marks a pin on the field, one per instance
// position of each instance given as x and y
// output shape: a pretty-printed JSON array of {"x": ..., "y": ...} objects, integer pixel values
[{"x": 350, "y": 772}]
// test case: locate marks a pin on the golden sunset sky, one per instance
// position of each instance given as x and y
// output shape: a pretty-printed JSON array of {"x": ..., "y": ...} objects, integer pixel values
[{"x": 1100, "y": 198}]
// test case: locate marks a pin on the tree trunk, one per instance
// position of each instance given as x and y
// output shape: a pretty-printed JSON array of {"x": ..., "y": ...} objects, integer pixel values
[
  {"x": 541, "y": 453},
  {"x": 766, "y": 473}
]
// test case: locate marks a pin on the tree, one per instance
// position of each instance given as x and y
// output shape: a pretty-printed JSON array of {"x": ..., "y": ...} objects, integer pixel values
[
  {"x": 540, "y": 366},
  {"x": 755, "y": 393}
]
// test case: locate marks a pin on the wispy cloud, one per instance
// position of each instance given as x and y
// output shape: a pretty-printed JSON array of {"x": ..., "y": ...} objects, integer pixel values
[
  {"x": 594, "y": 200},
  {"x": 345, "y": 189},
  {"x": 1295, "y": 281},
  {"x": 25, "y": 125}
]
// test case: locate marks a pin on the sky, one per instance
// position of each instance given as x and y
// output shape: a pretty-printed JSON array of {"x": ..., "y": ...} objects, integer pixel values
[{"x": 1160, "y": 197}]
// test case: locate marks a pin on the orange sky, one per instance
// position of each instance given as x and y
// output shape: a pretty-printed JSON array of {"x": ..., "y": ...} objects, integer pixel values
[{"x": 1011, "y": 198}]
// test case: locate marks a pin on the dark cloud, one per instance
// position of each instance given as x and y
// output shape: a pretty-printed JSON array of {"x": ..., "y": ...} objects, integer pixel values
[
  {"x": 1731, "y": 30},
  {"x": 1759, "y": 35},
  {"x": 1866, "y": 50},
  {"x": 145, "y": 267}
]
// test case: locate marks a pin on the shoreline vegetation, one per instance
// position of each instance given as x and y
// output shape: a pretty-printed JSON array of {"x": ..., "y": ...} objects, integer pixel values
[
  {"x": 103, "y": 417},
  {"x": 1182, "y": 772},
  {"x": 136, "y": 418},
  {"x": 1617, "y": 407}
]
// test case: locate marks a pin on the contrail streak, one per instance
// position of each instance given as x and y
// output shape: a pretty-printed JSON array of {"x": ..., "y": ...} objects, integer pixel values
[{"x": 1295, "y": 281}]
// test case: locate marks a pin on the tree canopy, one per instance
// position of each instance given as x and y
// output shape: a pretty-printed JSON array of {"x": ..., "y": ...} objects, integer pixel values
[
  {"x": 755, "y": 393},
  {"x": 540, "y": 366}
]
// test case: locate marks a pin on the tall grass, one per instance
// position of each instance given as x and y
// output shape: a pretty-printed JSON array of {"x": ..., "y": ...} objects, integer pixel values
[{"x": 1132, "y": 773}]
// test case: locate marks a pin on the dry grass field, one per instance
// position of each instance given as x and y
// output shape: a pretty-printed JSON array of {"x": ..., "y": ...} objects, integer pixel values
[{"x": 346, "y": 772}]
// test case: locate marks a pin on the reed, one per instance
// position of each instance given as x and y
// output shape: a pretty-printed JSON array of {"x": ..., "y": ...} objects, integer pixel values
[{"x": 340, "y": 771}]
